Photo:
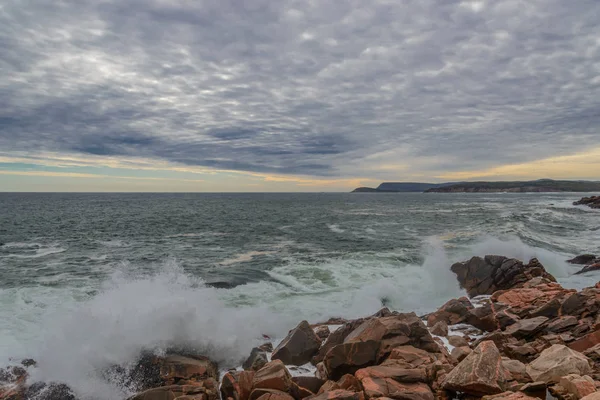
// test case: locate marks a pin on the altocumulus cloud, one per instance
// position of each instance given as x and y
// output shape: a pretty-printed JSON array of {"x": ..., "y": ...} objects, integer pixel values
[{"x": 320, "y": 87}]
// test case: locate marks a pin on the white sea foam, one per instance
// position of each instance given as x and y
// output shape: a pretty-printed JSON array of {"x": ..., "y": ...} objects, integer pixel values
[
  {"x": 335, "y": 228},
  {"x": 244, "y": 257}
]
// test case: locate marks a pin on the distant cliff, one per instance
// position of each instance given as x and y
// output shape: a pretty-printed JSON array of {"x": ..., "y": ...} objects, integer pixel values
[{"x": 541, "y": 185}]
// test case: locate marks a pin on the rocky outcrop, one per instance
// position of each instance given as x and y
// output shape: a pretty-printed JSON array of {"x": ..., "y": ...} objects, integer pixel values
[
  {"x": 484, "y": 276},
  {"x": 593, "y": 202},
  {"x": 299, "y": 346}
]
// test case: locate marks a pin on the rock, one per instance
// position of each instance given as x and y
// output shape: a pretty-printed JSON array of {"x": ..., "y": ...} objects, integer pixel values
[
  {"x": 321, "y": 372},
  {"x": 454, "y": 311},
  {"x": 517, "y": 370},
  {"x": 398, "y": 374},
  {"x": 336, "y": 338},
  {"x": 525, "y": 352},
  {"x": 458, "y": 341},
  {"x": 237, "y": 385},
  {"x": 394, "y": 331},
  {"x": 350, "y": 357},
  {"x": 561, "y": 324},
  {"x": 484, "y": 276},
  {"x": 349, "y": 382},
  {"x": 459, "y": 353},
  {"x": 538, "y": 389},
  {"x": 299, "y": 346},
  {"x": 175, "y": 391},
  {"x": 480, "y": 373},
  {"x": 328, "y": 387},
  {"x": 593, "y": 353},
  {"x": 578, "y": 386},
  {"x": 322, "y": 332},
  {"x": 440, "y": 329},
  {"x": 337, "y": 395},
  {"x": 269, "y": 394},
  {"x": 509, "y": 396},
  {"x": 42, "y": 391},
  {"x": 485, "y": 317},
  {"x": 588, "y": 341},
  {"x": 550, "y": 310},
  {"x": 266, "y": 347},
  {"x": 593, "y": 202},
  {"x": 275, "y": 376},
  {"x": 584, "y": 259},
  {"x": 557, "y": 361},
  {"x": 311, "y": 383},
  {"x": 526, "y": 328},
  {"x": 411, "y": 356},
  {"x": 256, "y": 360},
  {"x": 593, "y": 396}
]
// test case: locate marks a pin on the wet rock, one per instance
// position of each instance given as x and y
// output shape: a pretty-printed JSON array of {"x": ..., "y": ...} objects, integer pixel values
[
  {"x": 484, "y": 276},
  {"x": 267, "y": 347},
  {"x": 237, "y": 385},
  {"x": 480, "y": 373},
  {"x": 299, "y": 346},
  {"x": 256, "y": 360},
  {"x": 453, "y": 312},
  {"x": 440, "y": 329},
  {"x": 526, "y": 328},
  {"x": 350, "y": 357},
  {"x": 558, "y": 361},
  {"x": 337, "y": 395},
  {"x": 578, "y": 386},
  {"x": 322, "y": 332},
  {"x": 584, "y": 259},
  {"x": 589, "y": 268},
  {"x": 592, "y": 201},
  {"x": 311, "y": 383},
  {"x": 588, "y": 341},
  {"x": 336, "y": 338},
  {"x": 275, "y": 376}
]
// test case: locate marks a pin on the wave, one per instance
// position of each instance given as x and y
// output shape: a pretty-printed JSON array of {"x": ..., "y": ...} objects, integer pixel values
[{"x": 83, "y": 335}]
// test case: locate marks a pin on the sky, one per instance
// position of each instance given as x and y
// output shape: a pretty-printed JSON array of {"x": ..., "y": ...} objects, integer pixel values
[{"x": 295, "y": 95}]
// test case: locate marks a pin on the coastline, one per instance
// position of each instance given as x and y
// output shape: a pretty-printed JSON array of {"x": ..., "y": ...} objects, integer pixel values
[{"x": 518, "y": 328}]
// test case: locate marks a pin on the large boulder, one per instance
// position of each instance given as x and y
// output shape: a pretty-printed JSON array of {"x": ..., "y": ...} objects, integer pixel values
[
  {"x": 237, "y": 385},
  {"x": 452, "y": 312},
  {"x": 480, "y": 373},
  {"x": 527, "y": 328},
  {"x": 299, "y": 346},
  {"x": 557, "y": 361},
  {"x": 592, "y": 201},
  {"x": 577, "y": 386},
  {"x": 349, "y": 357},
  {"x": 335, "y": 338},
  {"x": 484, "y": 276},
  {"x": 588, "y": 341},
  {"x": 274, "y": 376},
  {"x": 256, "y": 360}
]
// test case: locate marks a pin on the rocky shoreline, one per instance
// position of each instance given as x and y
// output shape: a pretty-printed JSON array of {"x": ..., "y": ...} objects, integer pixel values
[
  {"x": 519, "y": 335},
  {"x": 592, "y": 201}
]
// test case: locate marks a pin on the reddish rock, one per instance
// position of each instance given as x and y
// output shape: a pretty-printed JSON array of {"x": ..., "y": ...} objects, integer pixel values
[
  {"x": 457, "y": 341},
  {"x": 578, "y": 386},
  {"x": 509, "y": 396},
  {"x": 459, "y": 353},
  {"x": 350, "y": 357},
  {"x": 526, "y": 328},
  {"x": 593, "y": 353},
  {"x": 237, "y": 385},
  {"x": 561, "y": 324},
  {"x": 517, "y": 370},
  {"x": 397, "y": 374},
  {"x": 589, "y": 268},
  {"x": 593, "y": 396},
  {"x": 171, "y": 392},
  {"x": 322, "y": 332},
  {"x": 328, "y": 387},
  {"x": 269, "y": 394},
  {"x": 256, "y": 360},
  {"x": 558, "y": 361},
  {"x": 349, "y": 382},
  {"x": 480, "y": 276},
  {"x": 411, "y": 356},
  {"x": 173, "y": 369},
  {"x": 337, "y": 395},
  {"x": 275, "y": 376},
  {"x": 452, "y": 312},
  {"x": 311, "y": 383},
  {"x": 440, "y": 329},
  {"x": 336, "y": 338},
  {"x": 480, "y": 373},
  {"x": 299, "y": 346},
  {"x": 375, "y": 386},
  {"x": 588, "y": 341}
]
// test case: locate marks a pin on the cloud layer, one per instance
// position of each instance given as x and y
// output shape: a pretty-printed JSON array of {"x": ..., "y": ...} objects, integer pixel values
[{"x": 309, "y": 87}]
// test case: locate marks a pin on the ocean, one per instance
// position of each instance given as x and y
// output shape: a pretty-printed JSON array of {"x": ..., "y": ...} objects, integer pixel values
[{"x": 89, "y": 280}]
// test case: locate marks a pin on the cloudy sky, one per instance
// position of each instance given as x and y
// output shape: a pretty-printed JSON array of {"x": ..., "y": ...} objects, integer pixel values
[{"x": 286, "y": 95}]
